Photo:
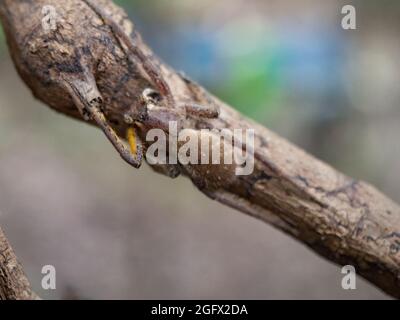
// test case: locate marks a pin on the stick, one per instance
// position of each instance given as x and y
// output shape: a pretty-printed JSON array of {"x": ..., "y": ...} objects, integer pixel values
[{"x": 13, "y": 283}]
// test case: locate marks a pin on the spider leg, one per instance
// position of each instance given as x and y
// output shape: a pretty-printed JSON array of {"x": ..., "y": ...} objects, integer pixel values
[
  {"x": 201, "y": 111},
  {"x": 89, "y": 103},
  {"x": 150, "y": 68}
]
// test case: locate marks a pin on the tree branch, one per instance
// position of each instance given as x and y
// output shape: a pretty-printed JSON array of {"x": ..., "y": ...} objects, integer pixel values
[
  {"x": 13, "y": 283},
  {"x": 345, "y": 220}
]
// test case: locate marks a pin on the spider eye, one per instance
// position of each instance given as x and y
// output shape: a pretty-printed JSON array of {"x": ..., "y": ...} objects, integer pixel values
[
  {"x": 128, "y": 119},
  {"x": 151, "y": 96}
]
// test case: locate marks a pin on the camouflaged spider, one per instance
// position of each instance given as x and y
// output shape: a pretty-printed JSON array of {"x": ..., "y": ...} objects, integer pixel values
[{"x": 158, "y": 104}]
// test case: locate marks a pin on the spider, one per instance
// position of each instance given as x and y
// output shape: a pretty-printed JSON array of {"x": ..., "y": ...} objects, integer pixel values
[{"x": 158, "y": 103}]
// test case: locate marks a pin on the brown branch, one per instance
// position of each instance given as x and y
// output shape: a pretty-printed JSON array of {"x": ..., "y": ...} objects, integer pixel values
[
  {"x": 346, "y": 221},
  {"x": 13, "y": 283}
]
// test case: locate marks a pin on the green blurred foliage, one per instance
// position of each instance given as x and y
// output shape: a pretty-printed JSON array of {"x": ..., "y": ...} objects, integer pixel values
[
  {"x": 2, "y": 39},
  {"x": 253, "y": 84}
]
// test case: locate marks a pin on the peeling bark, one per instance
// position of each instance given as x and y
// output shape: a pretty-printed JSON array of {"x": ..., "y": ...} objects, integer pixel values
[{"x": 344, "y": 220}]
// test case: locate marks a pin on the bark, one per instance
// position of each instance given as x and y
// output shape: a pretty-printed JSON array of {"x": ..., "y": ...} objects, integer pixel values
[
  {"x": 13, "y": 283},
  {"x": 345, "y": 220}
]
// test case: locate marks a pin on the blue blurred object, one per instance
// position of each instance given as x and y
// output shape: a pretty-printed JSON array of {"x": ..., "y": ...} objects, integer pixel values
[
  {"x": 195, "y": 52},
  {"x": 302, "y": 63},
  {"x": 256, "y": 67},
  {"x": 312, "y": 66}
]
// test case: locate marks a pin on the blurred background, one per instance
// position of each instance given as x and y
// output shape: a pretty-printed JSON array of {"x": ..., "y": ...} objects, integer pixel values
[{"x": 111, "y": 231}]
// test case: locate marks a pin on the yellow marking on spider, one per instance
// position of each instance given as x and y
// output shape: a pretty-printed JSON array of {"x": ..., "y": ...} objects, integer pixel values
[{"x": 131, "y": 137}]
